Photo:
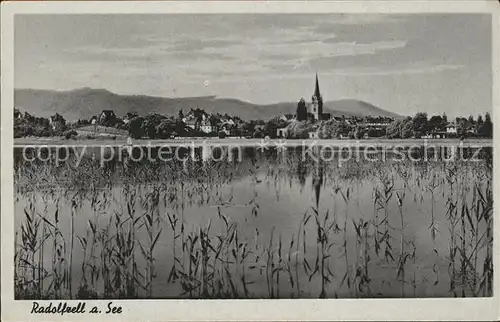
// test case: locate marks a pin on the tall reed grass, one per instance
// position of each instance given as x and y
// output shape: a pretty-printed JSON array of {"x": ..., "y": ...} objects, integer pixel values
[{"x": 136, "y": 213}]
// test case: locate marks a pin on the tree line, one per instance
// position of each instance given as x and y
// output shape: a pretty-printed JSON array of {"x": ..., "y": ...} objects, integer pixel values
[{"x": 298, "y": 126}]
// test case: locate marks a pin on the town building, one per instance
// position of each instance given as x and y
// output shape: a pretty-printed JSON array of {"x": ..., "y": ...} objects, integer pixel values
[
  {"x": 377, "y": 121},
  {"x": 106, "y": 118},
  {"x": 228, "y": 122},
  {"x": 230, "y": 129},
  {"x": 286, "y": 117},
  {"x": 472, "y": 129},
  {"x": 196, "y": 114},
  {"x": 314, "y": 134},
  {"x": 57, "y": 122},
  {"x": 193, "y": 124},
  {"x": 199, "y": 120},
  {"x": 435, "y": 135},
  {"x": 207, "y": 126},
  {"x": 282, "y": 132},
  {"x": 439, "y": 135},
  {"x": 226, "y": 129},
  {"x": 28, "y": 117},
  {"x": 451, "y": 128},
  {"x": 17, "y": 114}
]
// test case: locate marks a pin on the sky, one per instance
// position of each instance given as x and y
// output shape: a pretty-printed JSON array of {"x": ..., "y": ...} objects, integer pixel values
[{"x": 411, "y": 63}]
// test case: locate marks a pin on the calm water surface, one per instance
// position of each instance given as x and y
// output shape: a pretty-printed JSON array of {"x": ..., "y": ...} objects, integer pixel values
[{"x": 268, "y": 195}]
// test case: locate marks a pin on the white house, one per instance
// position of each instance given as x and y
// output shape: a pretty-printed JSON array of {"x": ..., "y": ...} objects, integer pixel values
[
  {"x": 282, "y": 132},
  {"x": 451, "y": 128},
  {"x": 313, "y": 135},
  {"x": 208, "y": 128}
]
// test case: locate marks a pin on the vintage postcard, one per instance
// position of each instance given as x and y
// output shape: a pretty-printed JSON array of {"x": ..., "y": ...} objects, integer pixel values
[{"x": 260, "y": 160}]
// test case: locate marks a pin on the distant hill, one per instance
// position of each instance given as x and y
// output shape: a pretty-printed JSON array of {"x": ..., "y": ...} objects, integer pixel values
[
  {"x": 85, "y": 102},
  {"x": 356, "y": 108}
]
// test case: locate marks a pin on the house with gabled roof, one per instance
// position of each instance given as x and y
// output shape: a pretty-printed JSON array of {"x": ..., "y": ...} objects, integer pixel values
[
  {"x": 107, "y": 118},
  {"x": 57, "y": 122}
]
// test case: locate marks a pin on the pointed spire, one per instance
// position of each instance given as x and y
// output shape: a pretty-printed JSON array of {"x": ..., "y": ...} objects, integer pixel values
[{"x": 316, "y": 89}]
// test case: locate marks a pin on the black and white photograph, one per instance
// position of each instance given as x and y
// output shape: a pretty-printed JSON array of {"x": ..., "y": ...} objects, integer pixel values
[{"x": 249, "y": 156}]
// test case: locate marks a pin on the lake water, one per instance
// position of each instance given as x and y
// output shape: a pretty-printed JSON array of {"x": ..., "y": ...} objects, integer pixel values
[{"x": 254, "y": 224}]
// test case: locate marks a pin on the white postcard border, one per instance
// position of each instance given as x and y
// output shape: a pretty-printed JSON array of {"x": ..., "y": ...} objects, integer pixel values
[{"x": 199, "y": 310}]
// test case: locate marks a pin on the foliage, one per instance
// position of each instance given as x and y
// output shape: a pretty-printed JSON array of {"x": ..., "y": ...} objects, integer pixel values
[
  {"x": 437, "y": 123},
  {"x": 156, "y": 126},
  {"x": 301, "y": 110},
  {"x": 29, "y": 125},
  {"x": 259, "y": 132},
  {"x": 376, "y": 132},
  {"x": 406, "y": 128},
  {"x": 359, "y": 133},
  {"x": 69, "y": 134},
  {"x": 299, "y": 130},
  {"x": 377, "y": 119},
  {"x": 420, "y": 124},
  {"x": 332, "y": 129},
  {"x": 485, "y": 129},
  {"x": 394, "y": 129},
  {"x": 400, "y": 129},
  {"x": 160, "y": 126},
  {"x": 271, "y": 126}
]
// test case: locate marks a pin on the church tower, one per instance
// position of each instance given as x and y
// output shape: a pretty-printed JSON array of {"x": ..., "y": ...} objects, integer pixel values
[{"x": 317, "y": 102}]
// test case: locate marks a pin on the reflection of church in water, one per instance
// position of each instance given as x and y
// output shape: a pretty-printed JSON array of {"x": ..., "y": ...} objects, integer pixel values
[
  {"x": 315, "y": 171},
  {"x": 317, "y": 181}
]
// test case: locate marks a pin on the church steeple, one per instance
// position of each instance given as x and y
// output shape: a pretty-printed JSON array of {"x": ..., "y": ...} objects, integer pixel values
[
  {"x": 316, "y": 89},
  {"x": 317, "y": 102}
]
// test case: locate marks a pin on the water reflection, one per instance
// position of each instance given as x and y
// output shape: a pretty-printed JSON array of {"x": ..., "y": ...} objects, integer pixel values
[{"x": 235, "y": 216}]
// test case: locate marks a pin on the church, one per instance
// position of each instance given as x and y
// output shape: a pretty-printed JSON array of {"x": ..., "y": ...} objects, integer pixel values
[
  {"x": 312, "y": 111},
  {"x": 316, "y": 105}
]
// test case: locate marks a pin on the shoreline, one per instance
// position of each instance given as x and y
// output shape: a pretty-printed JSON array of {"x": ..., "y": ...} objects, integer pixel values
[{"x": 197, "y": 142}]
